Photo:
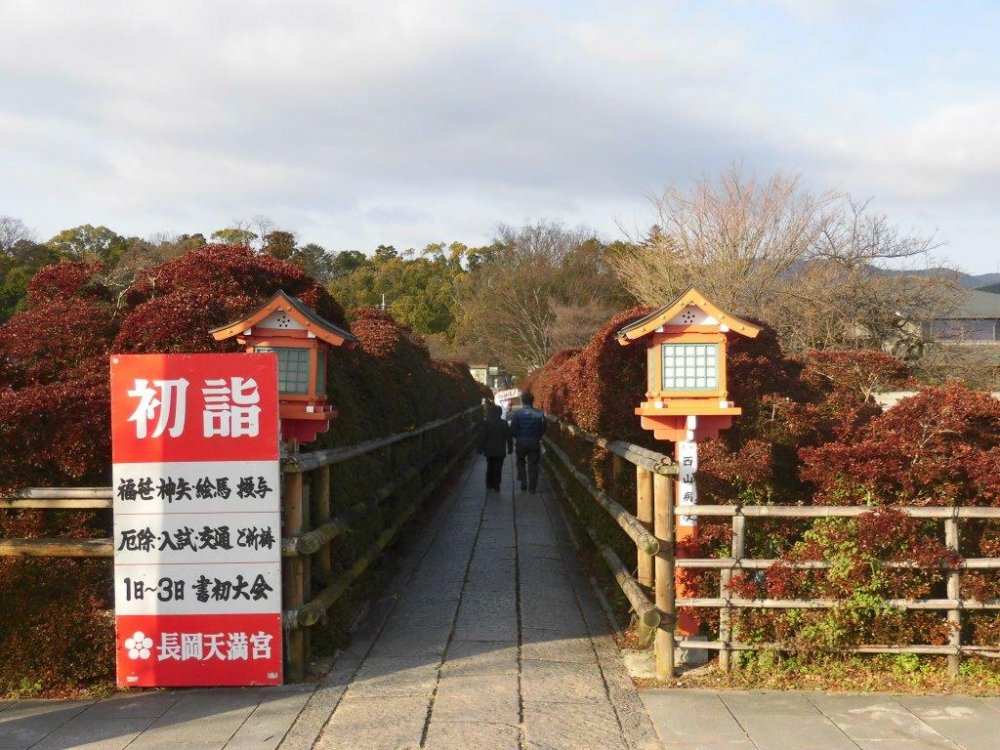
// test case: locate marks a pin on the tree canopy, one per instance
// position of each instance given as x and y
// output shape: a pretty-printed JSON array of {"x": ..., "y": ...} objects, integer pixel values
[{"x": 810, "y": 264}]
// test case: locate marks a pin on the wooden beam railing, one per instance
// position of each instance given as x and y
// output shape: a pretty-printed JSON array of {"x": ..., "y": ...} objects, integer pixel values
[
  {"x": 654, "y": 497},
  {"x": 634, "y": 454},
  {"x": 631, "y": 525},
  {"x": 60, "y": 498},
  {"x": 648, "y": 615},
  {"x": 299, "y": 498},
  {"x": 307, "y": 526},
  {"x": 647, "y": 529}
]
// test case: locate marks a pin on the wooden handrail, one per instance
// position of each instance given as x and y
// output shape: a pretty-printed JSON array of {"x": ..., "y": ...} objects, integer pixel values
[
  {"x": 648, "y": 615},
  {"x": 835, "y": 511},
  {"x": 652, "y": 461},
  {"x": 916, "y": 648},
  {"x": 629, "y": 523},
  {"x": 731, "y": 563},
  {"x": 312, "y": 612},
  {"x": 308, "y": 461},
  {"x": 59, "y": 498},
  {"x": 299, "y": 544},
  {"x": 56, "y": 548},
  {"x": 918, "y": 604}
]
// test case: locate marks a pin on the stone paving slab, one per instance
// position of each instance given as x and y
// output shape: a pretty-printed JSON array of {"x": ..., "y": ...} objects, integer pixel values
[
  {"x": 407, "y": 675},
  {"x": 404, "y": 639},
  {"x": 103, "y": 733},
  {"x": 551, "y": 645},
  {"x": 444, "y": 735},
  {"x": 878, "y": 720},
  {"x": 968, "y": 722},
  {"x": 767, "y": 720},
  {"x": 561, "y": 615},
  {"x": 561, "y": 682},
  {"x": 477, "y": 698},
  {"x": 481, "y": 658},
  {"x": 27, "y": 723},
  {"x": 384, "y": 723},
  {"x": 435, "y": 610},
  {"x": 785, "y": 721},
  {"x": 237, "y": 719},
  {"x": 569, "y": 726},
  {"x": 674, "y": 711}
]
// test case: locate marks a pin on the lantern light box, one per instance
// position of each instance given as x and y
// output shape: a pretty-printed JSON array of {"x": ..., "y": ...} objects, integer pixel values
[
  {"x": 301, "y": 339},
  {"x": 686, "y": 388}
]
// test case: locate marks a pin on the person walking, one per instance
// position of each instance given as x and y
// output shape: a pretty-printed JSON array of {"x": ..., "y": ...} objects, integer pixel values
[
  {"x": 496, "y": 443},
  {"x": 528, "y": 425}
]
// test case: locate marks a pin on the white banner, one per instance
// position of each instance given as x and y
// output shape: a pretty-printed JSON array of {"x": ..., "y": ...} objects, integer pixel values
[
  {"x": 192, "y": 589},
  {"x": 223, "y": 487},
  {"x": 687, "y": 488},
  {"x": 159, "y": 539}
]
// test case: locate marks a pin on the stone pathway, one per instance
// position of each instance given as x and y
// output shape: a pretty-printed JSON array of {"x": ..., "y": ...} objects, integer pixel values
[
  {"x": 492, "y": 640},
  {"x": 705, "y": 720}
]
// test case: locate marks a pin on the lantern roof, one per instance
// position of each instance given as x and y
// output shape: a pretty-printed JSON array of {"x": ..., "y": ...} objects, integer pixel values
[
  {"x": 300, "y": 315},
  {"x": 690, "y": 309}
]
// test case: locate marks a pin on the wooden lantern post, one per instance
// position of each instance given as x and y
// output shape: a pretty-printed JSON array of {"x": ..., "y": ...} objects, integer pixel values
[
  {"x": 687, "y": 398},
  {"x": 302, "y": 340}
]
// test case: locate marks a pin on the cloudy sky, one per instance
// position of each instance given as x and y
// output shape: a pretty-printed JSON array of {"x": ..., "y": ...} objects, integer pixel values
[{"x": 369, "y": 122}]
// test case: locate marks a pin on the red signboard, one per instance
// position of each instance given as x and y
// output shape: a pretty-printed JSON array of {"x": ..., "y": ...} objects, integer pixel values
[
  {"x": 197, "y": 519},
  {"x": 194, "y": 407}
]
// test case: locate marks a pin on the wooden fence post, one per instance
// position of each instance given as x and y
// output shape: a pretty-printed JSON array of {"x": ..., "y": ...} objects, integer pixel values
[
  {"x": 725, "y": 613},
  {"x": 663, "y": 530},
  {"x": 292, "y": 580},
  {"x": 321, "y": 514},
  {"x": 617, "y": 476},
  {"x": 951, "y": 540},
  {"x": 644, "y": 512}
]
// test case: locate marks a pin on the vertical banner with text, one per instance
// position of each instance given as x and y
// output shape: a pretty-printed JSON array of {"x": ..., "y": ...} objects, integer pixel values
[
  {"x": 687, "y": 494},
  {"x": 197, "y": 519}
]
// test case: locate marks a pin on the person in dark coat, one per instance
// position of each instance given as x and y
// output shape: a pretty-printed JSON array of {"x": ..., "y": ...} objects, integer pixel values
[
  {"x": 528, "y": 425},
  {"x": 496, "y": 443}
]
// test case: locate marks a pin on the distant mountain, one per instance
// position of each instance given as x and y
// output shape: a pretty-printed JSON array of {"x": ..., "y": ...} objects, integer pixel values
[
  {"x": 969, "y": 281},
  {"x": 979, "y": 281}
]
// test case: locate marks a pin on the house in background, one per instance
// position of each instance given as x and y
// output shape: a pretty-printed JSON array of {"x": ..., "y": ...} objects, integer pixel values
[
  {"x": 975, "y": 321},
  {"x": 492, "y": 376}
]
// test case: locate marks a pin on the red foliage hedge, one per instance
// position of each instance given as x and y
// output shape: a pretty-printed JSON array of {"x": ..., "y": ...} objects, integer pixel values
[
  {"x": 599, "y": 386},
  {"x": 67, "y": 280},
  {"x": 54, "y": 419}
]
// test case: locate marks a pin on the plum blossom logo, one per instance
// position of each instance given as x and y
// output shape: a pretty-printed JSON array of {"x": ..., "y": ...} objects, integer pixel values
[{"x": 138, "y": 645}]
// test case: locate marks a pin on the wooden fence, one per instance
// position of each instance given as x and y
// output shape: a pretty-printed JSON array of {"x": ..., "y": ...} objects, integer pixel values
[
  {"x": 307, "y": 526},
  {"x": 656, "y": 512},
  {"x": 651, "y": 529}
]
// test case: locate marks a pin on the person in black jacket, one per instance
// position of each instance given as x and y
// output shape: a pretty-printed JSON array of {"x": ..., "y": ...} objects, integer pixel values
[
  {"x": 528, "y": 425},
  {"x": 496, "y": 444}
]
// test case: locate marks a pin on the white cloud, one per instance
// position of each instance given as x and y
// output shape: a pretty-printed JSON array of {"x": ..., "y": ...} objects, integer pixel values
[
  {"x": 361, "y": 123},
  {"x": 821, "y": 11}
]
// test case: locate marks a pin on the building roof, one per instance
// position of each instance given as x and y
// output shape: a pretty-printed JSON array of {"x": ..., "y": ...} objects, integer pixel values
[
  {"x": 297, "y": 311},
  {"x": 976, "y": 304},
  {"x": 691, "y": 298}
]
